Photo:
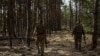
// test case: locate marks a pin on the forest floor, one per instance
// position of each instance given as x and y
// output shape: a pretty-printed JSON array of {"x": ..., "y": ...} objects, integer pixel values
[{"x": 61, "y": 44}]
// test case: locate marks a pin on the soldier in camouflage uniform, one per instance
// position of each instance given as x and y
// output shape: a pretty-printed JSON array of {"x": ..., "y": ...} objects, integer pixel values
[
  {"x": 41, "y": 37},
  {"x": 78, "y": 31}
]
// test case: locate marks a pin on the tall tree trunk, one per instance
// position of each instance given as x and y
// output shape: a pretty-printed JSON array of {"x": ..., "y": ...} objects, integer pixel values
[
  {"x": 71, "y": 16},
  {"x": 76, "y": 7},
  {"x": 11, "y": 20},
  {"x": 4, "y": 17},
  {"x": 94, "y": 38},
  {"x": 1, "y": 15},
  {"x": 29, "y": 35}
]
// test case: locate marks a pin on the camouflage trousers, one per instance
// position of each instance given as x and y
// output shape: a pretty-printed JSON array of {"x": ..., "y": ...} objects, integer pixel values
[
  {"x": 78, "y": 41},
  {"x": 40, "y": 44}
]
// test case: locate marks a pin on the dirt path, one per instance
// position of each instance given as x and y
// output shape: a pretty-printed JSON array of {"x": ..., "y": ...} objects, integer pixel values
[{"x": 61, "y": 44}]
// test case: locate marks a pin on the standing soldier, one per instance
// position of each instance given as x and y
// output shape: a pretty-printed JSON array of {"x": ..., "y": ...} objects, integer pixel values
[
  {"x": 40, "y": 31},
  {"x": 78, "y": 31}
]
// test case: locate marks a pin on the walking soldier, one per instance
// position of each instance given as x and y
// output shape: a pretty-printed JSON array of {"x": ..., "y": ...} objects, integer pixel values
[
  {"x": 78, "y": 32},
  {"x": 40, "y": 31}
]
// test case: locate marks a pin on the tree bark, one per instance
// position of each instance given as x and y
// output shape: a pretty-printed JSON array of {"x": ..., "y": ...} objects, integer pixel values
[
  {"x": 11, "y": 20},
  {"x": 95, "y": 36}
]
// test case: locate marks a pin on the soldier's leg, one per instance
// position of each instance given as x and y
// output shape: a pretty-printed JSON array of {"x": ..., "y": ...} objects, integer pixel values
[
  {"x": 37, "y": 44},
  {"x": 80, "y": 41},
  {"x": 76, "y": 43},
  {"x": 10, "y": 42},
  {"x": 42, "y": 47},
  {"x": 28, "y": 42},
  {"x": 46, "y": 42}
]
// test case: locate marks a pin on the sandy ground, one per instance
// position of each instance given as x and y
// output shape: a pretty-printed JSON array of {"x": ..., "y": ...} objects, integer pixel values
[{"x": 61, "y": 44}]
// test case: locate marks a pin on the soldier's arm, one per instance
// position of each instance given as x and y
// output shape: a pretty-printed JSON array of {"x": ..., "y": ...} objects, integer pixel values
[
  {"x": 35, "y": 32},
  {"x": 83, "y": 32},
  {"x": 73, "y": 31},
  {"x": 84, "y": 37}
]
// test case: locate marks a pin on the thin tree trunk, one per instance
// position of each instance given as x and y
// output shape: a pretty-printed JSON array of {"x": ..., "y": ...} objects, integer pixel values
[
  {"x": 76, "y": 18},
  {"x": 94, "y": 38},
  {"x": 11, "y": 20},
  {"x": 29, "y": 23},
  {"x": 71, "y": 16}
]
